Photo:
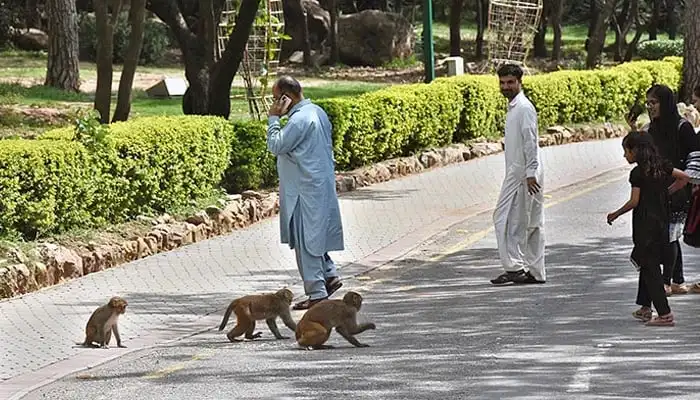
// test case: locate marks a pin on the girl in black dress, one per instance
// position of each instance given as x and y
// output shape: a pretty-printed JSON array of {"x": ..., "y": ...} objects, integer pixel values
[{"x": 650, "y": 219}]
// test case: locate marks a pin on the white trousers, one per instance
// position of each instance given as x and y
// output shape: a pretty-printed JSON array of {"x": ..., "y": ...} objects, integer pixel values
[{"x": 519, "y": 225}]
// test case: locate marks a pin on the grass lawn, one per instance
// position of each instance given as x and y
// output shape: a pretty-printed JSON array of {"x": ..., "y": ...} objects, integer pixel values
[{"x": 12, "y": 94}]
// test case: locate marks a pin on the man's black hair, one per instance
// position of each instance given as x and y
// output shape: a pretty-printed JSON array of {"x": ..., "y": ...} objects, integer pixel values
[
  {"x": 287, "y": 84},
  {"x": 510, "y": 70}
]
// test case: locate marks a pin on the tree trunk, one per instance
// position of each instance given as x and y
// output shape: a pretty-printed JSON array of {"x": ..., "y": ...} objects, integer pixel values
[
  {"x": 482, "y": 9},
  {"x": 673, "y": 20},
  {"x": 597, "y": 42},
  {"x": 333, "y": 34},
  {"x": 623, "y": 24},
  {"x": 654, "y": 23},
  {"x": 225, "y": 69},
  {"x": 63, "y": 70},
  {"x": 31, "y": 14},
  {"x": 208, "y": 26},
  {"x": 540, "y": 46},
  {"x": 305, "y": 42},
  {"x": 691, "y": 49},
  {"x": 594, "y": 14},
  {"x": 105, "y": 47},
  {"x": 137, "y": 14},
  {"x": 209, "y": 87},
  {"x": 556, "y": 15},
  {"x": 455, "y": 27}
]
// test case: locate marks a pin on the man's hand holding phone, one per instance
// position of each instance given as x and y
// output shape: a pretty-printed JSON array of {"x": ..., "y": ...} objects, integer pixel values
[{"x": 280, "y": 106}]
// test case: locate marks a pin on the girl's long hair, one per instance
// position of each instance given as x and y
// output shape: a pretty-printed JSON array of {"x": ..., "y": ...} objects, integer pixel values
[
  {"x": 646, "y": 154},
  {"x": 666, "y": 125}
]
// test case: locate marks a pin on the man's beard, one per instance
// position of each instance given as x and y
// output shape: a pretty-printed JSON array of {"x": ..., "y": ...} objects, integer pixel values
[{"x": 510, "y": 94}]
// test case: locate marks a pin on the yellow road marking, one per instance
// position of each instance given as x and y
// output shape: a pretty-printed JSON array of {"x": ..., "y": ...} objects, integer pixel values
[
  {"x": 475, "y": 237},
  {"x": 161, "y": 373}
]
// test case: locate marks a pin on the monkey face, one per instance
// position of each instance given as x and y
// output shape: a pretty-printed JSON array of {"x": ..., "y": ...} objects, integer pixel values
[
  {"x": 118, "y": 303},
  {"x": 287, "y": 295},
  {"x": 353, "y": 299}
]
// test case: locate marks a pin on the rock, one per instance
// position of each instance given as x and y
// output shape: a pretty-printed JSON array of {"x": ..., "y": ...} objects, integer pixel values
[
  {"x": 18, "y": 256},
  {"x": 251, "y": 194},
  {"x": 452, "y": 154},
  {"x": 164, "y": 219},
  {"x": 198, "y": 219},
  {"x": 38, "y": 271},
  {"x": 146, "y": 219},
  {"x": 430, "y": 159},
  {"x": 373, "y": 38},
  {"x": 484, "y": 149},
  {"x": 61, "y": 263},
  {"x": 319, "y": 22},
  {"x": 31, "y": 39}
]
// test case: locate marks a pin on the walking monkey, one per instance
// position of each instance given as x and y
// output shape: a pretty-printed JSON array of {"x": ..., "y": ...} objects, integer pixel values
[
  {"x": 315, "y": 326},
  {"x": 103, "y": 322},
  {"x": 256, "y": 307}
]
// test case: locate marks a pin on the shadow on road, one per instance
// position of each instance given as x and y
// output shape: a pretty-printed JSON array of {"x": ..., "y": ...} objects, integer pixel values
[{"x": 444, "y": 330}]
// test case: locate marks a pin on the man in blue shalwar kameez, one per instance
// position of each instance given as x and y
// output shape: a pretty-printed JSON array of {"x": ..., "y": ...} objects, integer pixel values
[{"x": 309, "y": 212}]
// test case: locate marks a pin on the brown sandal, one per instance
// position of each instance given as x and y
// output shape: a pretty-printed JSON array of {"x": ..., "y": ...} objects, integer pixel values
[
  {"x": 643, "y": 314},
  {"x": 665, "y": 320}
]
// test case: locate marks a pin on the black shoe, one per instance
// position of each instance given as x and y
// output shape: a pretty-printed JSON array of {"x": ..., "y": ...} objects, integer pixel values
[
  {"x": 527, "y": 278},
  {"x": 508, "y": 277}
]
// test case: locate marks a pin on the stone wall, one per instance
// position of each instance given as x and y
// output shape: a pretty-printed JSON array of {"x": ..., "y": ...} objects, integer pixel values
[{"x": 47, "y": 264}]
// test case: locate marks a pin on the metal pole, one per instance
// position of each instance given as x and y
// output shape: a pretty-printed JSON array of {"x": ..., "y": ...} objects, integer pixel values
[{"x": 428, "y": 51}]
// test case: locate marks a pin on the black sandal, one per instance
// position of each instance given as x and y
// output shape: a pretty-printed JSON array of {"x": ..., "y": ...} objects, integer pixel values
[
  {"x": 306, "y": 304},
  {"x": 332, "y": 285}
]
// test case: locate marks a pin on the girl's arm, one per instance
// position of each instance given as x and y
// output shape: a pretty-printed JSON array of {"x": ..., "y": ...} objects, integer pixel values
[
  {"x": 682, "y": 179},
  {"x": 630, "y": 205}
]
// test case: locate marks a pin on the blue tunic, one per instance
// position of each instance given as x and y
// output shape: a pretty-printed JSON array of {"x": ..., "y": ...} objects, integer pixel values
[{"x": 306, "y": 168}]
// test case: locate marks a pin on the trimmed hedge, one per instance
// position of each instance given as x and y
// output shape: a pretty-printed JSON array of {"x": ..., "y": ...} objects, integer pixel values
[
  {"x": 143, "y": 166},
  {"x": 152, "y": 164},
  {"x": 45, "y": 187},
  {"x": 658, "y": 49}
]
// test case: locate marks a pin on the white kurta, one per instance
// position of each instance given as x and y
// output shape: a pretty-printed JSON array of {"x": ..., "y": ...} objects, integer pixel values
[{"x": 519, "y": 217}]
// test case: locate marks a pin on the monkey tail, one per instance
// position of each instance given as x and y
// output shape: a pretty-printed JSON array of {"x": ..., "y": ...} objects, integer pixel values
[{"x": 227, "y": 314}]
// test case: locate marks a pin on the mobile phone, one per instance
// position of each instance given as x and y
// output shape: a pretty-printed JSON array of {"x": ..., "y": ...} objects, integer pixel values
[
  {"x": 635, "y": 112},
  {"x": 284, "y": 102}
]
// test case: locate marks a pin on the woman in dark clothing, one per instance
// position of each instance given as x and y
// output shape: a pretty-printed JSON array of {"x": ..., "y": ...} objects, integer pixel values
[{"x": 675, "y": 138}]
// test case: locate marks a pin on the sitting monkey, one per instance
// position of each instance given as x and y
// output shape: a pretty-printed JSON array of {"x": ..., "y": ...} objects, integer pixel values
[
  {"x": 103, "y": 322},
  {"x": 256, "y": 307},
  {"x": 315, "y": 326}
]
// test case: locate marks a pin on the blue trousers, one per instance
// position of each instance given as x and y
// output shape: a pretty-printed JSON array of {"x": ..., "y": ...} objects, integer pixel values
[{"x": 314, "y": 270}]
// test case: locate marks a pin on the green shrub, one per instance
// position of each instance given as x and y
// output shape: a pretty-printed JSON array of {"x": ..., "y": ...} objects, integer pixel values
[
  {"x": 46, "y": 187},
  {"x": 151, "y": 164},
  {"x": 392, "y": 122},
  {"x": 484, "y": 107},
  {"x": 658, "y": 49},
  {"x": 252, "y": 166},
  {"x": 155, "y": 39}
]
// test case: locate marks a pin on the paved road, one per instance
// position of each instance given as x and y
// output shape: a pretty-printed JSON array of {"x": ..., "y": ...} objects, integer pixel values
[
  {"x": 172, "y": 294},
  {"x": 443, "y": 332}
]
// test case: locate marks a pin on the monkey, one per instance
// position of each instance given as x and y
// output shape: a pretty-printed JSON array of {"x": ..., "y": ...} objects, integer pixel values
[
  {"x": 103, "y": 322},
  {"x": 256, "y": 307},
  {"x": 315, "y": 326}
]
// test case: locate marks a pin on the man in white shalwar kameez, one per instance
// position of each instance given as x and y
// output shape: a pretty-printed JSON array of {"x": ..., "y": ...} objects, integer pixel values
[
  {"x": 519, "y": 214},
  {"x": 309, "y": 211}
]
